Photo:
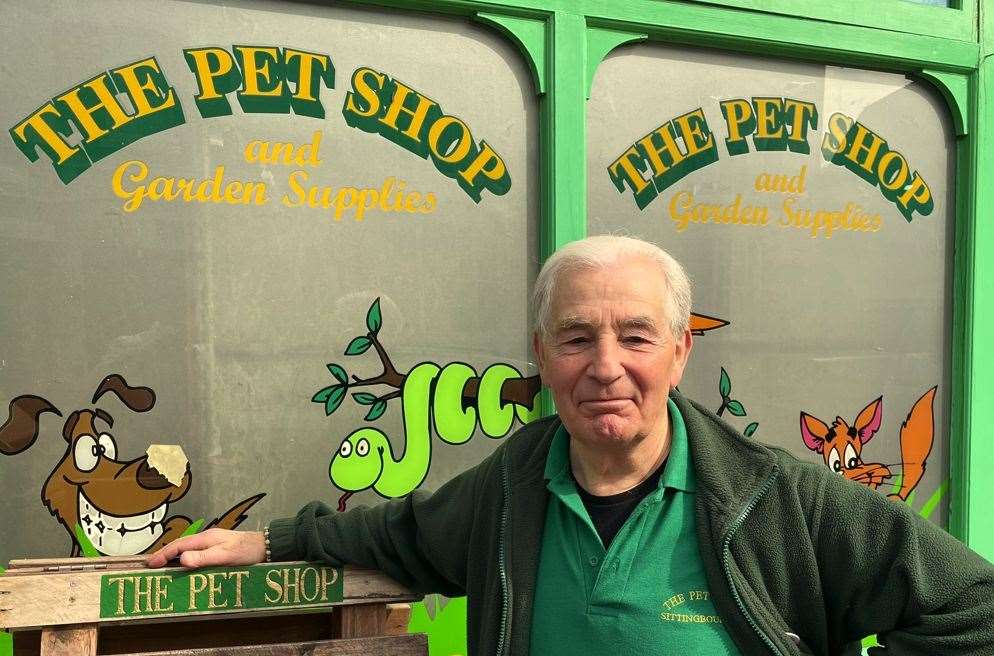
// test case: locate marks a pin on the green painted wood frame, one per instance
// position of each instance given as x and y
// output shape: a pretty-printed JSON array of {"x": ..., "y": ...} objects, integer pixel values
[{"x": 563, "y": 42}]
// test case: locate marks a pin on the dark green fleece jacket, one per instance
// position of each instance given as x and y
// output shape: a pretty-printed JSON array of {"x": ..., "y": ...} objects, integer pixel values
[{"x": 788, "y": 547}]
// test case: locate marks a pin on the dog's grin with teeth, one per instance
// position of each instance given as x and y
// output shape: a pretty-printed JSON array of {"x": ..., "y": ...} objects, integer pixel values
[{"x": 114, "y": 535}]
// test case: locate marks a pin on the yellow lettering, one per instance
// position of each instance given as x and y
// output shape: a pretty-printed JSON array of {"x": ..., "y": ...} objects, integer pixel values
[
  {"x": 327, "y": 582},
  {"x": 668, "y": 147},
  {"x": 141, "y": 91},
  {"x": 122, "y": 582},
  {"x": 161, "y": 591},
  {"x": 362, "y": 87},
  {"x": 105, "y": 100},
  {"x": 206, "y": 74},
  {"x": 36, "y": 122},
  {"x": 859, "y": 146},
  {"x": 693, "y": 136},
  {"x": 274, "y": 586},
  {"x": 133, "y": 198},
  {"x": 629, "y": 172},
  {"x": 215, "y": 590},
  {"x": 738, "y": 113},
  {"x": 769, "y": 118},
  {"x": 238, "y": 586},
  {"x": 486, "y": 156},
  {"x": 834, "y": 141},
  {"x": 303, "y": 584},
  {"x": 254, "y": 72},
  {"x": 418, "y": 114},
  {"x": 198, "y": 583},
  {"x": 918, "y": 191},
  {"x": 459, "y": 149},
  {"x": 307, "y": 60}
]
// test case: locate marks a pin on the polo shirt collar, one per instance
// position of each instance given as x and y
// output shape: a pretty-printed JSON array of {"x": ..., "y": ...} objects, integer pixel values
[{"x": 677, "y": 474}]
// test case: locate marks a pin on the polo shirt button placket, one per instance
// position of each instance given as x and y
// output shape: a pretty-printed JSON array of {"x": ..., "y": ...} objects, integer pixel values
[{"x": 593, "y": 561}]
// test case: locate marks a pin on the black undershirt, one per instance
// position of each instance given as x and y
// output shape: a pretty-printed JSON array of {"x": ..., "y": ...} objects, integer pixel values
[{"x": 609, "y": 513}]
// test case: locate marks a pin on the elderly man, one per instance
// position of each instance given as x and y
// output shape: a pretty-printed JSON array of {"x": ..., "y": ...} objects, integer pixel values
[{"x": 637, "y": 522}]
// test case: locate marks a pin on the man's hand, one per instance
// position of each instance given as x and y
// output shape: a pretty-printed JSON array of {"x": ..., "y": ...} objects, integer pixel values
[{"x": 213, "y": 547}]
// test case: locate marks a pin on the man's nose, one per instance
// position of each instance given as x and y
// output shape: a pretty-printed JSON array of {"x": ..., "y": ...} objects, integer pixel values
[{"x": 606, "y": 364}]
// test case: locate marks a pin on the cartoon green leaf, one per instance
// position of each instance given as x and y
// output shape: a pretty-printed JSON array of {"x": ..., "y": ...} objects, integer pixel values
[
  {"x": 335, "y": 399},
  {"x": 376, "y": 411},
  {"x": 373, "y": 317},
  {"x": 338, "y": 372},
  {"x": 85, "y": 545},
  {"x": 193, "y": 528},
  {"x": 736, "y": 409},
  {"x": 365, "y": 398},
  {"x": 322, "y": 395},
  {"x": 724, "y": 384},
  {"x": 750, "y": 429},
  {"x": 359, "y": 345}
]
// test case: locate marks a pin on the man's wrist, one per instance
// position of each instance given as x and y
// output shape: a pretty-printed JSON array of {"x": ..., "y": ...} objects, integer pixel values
[{"x": 268, "y": 546}]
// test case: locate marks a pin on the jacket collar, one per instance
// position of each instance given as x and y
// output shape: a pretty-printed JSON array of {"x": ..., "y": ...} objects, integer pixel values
[{"x": 729, "y": 467}]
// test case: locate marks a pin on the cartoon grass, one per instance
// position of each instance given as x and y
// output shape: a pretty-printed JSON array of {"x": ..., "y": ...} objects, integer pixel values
[{"x": 452, "y": 399}]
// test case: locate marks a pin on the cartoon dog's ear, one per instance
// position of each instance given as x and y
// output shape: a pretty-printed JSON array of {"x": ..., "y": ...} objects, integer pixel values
[
  {"x": 21, "y": 428},
  {"x": 67, "y": 428},
  {"x": 813, "y": 430},
  {"x": 868, "y": 420},
  {"x": 139, "y": 399}
]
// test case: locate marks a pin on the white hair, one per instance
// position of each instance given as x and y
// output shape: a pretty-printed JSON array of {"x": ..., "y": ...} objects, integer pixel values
[{"x": 600, "y": 252}]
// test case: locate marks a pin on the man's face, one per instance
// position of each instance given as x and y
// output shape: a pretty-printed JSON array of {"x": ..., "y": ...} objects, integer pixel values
[{"x": 610, "y": 358}]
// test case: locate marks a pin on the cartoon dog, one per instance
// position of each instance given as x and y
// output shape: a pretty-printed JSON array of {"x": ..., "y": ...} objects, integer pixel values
[
  {"x": 119, "y": 507},
  {"x": 842, "y": 445}
]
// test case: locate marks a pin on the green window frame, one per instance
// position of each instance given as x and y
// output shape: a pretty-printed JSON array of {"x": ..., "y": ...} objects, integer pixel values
[{"x": 564, "y": 41}]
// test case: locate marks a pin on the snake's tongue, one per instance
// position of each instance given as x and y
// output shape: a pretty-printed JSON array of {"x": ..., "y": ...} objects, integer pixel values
[{"x": 341, "y": 501}]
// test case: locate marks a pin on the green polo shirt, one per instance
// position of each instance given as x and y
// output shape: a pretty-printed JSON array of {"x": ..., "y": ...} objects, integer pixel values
[{"x": 645, "y": 594}]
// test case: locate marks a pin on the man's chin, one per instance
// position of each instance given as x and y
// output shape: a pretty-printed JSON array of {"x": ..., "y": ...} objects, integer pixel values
[{"x": 610, "y": 428}]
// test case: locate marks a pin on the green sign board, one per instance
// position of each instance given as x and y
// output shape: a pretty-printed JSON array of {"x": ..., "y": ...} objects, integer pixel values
[{"x": 218, "y": 590}]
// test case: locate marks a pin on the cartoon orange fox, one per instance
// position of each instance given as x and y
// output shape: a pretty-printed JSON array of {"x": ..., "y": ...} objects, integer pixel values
[{"x": 842, "y": 444}]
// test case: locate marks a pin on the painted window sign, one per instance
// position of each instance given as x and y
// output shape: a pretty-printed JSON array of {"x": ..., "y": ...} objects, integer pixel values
[
  {"x": 266, "y": 80},
  {"x": 810, "y": 205},
  {"x": 686, "y": 143},
  {"x": 200, "y": 223}
]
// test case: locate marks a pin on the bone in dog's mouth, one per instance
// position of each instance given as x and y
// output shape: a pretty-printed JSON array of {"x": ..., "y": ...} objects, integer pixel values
[{"x": 120, "y": 536}]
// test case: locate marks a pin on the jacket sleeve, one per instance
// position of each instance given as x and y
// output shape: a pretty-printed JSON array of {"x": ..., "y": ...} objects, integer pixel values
[
  {"x": 887, "y": 571},
  {"x": 420, "y": 540}
]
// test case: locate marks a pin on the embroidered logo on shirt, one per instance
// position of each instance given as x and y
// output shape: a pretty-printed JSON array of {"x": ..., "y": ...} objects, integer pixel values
[{"x": 681, "y": 608}]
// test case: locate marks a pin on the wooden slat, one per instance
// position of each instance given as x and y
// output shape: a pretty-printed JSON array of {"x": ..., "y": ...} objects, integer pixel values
[
  {"x": 65, "y": 565},
  {"x": 359, "y": 621},
  {"x": 398, "y": 617},
  {"x": 55, "y": 599},
  {"x": 178, "y": 634},
  {"x": 409, "y": 645},
  {"x": 72, "y": 641}
]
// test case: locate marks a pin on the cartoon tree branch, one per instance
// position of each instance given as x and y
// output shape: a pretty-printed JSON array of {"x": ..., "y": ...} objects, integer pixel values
[{"x": 519, "y": 391}]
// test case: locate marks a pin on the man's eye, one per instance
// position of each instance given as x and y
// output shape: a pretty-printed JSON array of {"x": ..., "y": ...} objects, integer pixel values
[
  {"x": 635, "y": 339},
  {"x": 576, "y": 340}
]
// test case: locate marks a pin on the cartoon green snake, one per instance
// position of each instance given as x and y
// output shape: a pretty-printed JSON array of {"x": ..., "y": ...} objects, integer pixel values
[{"x": 430, "y": 395}]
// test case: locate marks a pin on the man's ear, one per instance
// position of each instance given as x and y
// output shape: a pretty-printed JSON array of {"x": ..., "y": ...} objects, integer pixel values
[
  {"x": 537, "y": 346},
  {"x": 680, "y": 357}
]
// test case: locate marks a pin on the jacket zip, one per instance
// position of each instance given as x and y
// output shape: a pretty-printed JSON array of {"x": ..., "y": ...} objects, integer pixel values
[
  {"x": 505, "y": 610},
  {"x": 726, "y": 557}
]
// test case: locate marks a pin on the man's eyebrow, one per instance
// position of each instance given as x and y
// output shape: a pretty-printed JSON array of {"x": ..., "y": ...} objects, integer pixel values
[
  {"x": 573, "y": 322},
  {"x": 638, "y": 323}
]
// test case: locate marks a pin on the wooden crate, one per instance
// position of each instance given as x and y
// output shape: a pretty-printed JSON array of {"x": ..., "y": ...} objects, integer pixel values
[{"x": 91, "y": 606}]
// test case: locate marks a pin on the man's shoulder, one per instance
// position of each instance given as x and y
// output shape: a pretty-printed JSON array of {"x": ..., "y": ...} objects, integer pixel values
[{"x": 530, "y": 443}]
